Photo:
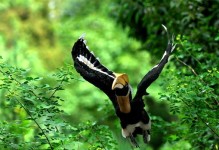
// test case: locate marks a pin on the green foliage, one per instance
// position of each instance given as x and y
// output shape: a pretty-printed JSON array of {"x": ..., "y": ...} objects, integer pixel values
[
  {"x": 48, "y": 108},
  {"x": 197, "y": 19},
  {"x": 39, "y": 35},
  {"x": 193, "y": 97},
  {"x": 37, "y": 117},
  {"x": 191, "y": 82}
]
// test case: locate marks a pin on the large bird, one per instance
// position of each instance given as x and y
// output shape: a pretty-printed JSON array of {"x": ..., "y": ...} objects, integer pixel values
[{"x": 133, "y": 117}]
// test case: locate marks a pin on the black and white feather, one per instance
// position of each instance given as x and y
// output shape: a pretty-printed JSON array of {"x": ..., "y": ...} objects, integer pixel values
[
  {"x": 154, "y": 73},
  {"x": 91, "y": 69},
  {"x": 137, "y": 121}
]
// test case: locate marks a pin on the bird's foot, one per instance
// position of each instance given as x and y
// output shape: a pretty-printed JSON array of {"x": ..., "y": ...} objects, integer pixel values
[
  {"x": 133, "y": 141},
  {"x": 146, "y": 136}
]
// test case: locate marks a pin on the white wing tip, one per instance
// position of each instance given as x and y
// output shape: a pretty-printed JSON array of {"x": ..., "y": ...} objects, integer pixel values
[
  {"x": 165, "y": 28},
  {"x": 82, "y": 36},
  {"x": 174, "y": 46}
]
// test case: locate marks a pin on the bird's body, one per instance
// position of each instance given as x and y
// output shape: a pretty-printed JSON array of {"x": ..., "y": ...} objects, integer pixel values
[
  {"x": 133, "y": 117},
  {"x": 136, "y": 118}
]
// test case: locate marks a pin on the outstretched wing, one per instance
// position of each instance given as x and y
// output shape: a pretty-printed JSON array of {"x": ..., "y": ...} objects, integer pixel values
[
  {"x": 91, "y": 69},
  {"x": 154, "y": 73}
]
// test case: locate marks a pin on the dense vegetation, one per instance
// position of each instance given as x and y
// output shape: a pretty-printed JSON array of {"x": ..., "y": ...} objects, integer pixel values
[{"x": 45, "y": 104}]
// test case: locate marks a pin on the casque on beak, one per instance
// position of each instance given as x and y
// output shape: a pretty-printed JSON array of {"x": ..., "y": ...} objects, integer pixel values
[
  {"x": 120, "y": 81},
  {"x": 123, "y": 101}
]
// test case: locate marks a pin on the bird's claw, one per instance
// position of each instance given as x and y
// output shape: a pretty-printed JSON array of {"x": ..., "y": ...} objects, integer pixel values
[
  {"x": 133, "y": 141},
  {"x": 146, "y": 136}
]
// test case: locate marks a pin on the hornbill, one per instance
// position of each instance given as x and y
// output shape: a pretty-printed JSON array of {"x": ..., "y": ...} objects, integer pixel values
[{"x": 133, "y": 117}]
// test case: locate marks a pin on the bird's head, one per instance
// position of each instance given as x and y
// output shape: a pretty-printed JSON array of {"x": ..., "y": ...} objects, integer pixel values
[
  {"x": 122, "y": 91},
  {"x": 120, "y": 82}
]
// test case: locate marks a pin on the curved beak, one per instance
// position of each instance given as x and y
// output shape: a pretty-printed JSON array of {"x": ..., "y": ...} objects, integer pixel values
[{"x": 120, "y": 80}]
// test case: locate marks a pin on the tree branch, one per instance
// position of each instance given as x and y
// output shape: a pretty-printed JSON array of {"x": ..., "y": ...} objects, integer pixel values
[
  {"x": 26, "y": 109},
  {"x": 207, "y": 124},
  {"x": 194, "y": 72},
  {"x": 32, "y": 118}
]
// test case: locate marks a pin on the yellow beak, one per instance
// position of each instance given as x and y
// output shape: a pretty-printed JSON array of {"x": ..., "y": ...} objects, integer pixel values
[
  {"x": 124, "y": 103},
  {"x": 120, "y": 80}
]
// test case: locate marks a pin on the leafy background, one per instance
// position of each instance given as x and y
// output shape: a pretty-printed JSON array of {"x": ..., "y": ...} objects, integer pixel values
[{"x": 45, "y": 104}]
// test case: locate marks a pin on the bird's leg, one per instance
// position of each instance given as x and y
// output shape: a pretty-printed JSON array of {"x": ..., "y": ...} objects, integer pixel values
[
  {"x": 133, "y": 141},
  {"x": 146, "y": 136}
]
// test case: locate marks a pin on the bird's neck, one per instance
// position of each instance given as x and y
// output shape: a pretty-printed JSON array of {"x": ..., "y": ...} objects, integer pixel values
[{"x": 124, "y": 103}]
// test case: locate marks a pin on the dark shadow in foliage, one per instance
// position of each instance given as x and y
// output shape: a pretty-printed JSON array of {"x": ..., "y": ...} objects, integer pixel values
[
  {"x": 160, "y": 110},
  {"x": 197, "y": 19}
]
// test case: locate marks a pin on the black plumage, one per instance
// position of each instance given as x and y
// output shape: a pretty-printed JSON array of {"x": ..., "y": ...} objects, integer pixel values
[{"x": 133, "y": 117}]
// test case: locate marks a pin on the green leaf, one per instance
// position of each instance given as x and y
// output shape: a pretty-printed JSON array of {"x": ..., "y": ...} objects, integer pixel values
[{"x": 29, "y": 78}]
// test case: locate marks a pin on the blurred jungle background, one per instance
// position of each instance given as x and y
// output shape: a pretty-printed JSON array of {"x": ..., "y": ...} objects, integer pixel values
[{"x": 46, "y": 104}]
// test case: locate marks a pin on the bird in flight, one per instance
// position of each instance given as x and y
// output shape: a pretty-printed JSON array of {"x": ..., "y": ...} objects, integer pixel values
[{"x": 130, "y": 110}]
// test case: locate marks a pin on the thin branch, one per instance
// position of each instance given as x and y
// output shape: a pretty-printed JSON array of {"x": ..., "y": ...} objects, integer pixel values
[
  {"x": 194, "y": 72},
  {"x": 57, "y": 88},
  {"x": 58, "y": 131},
  {"x": 207, "y": 124},
  {"x": 27, "y": 110},
  {"x": 189, "y": 52},
  {"x": 18, "y": 82},
  {"x": 32, "y": 118}
]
